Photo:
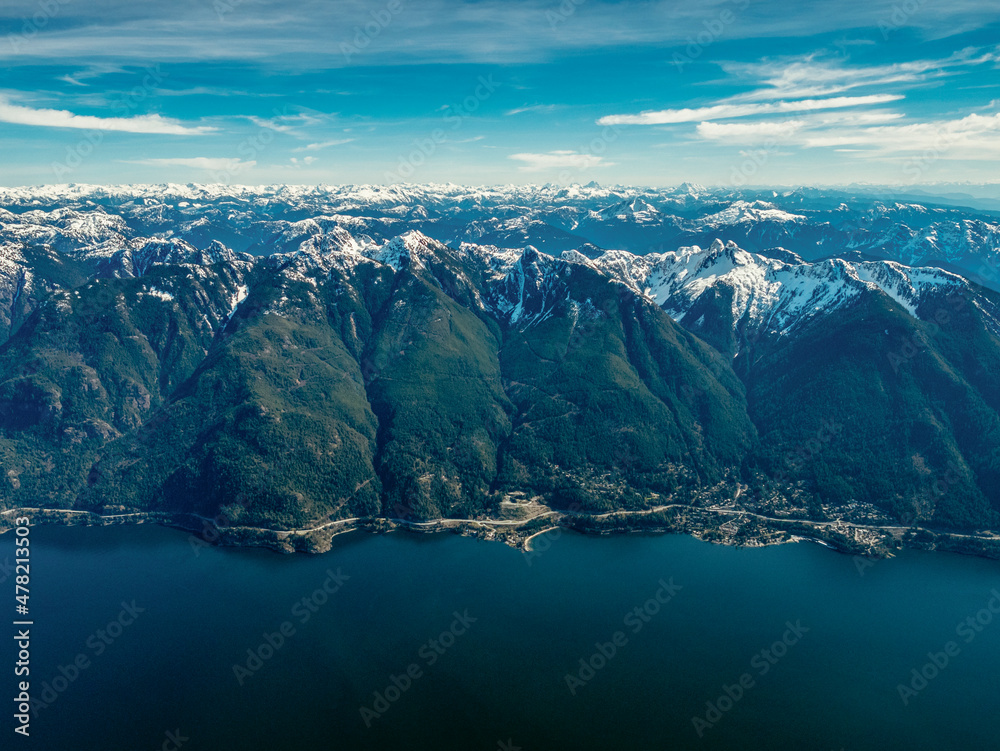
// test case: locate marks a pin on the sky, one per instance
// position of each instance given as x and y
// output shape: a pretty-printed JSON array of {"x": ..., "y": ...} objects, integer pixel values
[{"x": 717, "y": 92}]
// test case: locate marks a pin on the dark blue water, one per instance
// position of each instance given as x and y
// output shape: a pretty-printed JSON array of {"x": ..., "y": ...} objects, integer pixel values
[{"x": 820, "y": 649}]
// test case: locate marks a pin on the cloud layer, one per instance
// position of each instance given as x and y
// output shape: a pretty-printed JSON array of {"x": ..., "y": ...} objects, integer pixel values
[
  {"x": 562, "y": 159},
  {"x": 432, "y": 30},
  {"x": 214, "y": 164},
  {"x": 725, "y": 111},
  {"x": 47, "y": 118}
]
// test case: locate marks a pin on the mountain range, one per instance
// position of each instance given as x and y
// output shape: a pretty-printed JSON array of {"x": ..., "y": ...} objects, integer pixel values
[{"x": 288, "y": 356}]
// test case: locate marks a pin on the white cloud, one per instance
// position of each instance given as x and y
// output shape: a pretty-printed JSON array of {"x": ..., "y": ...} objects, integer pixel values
[
  {"x": 813, "y": 77},
  {"x": 304, "y": 161},
  {"x": 531, "y": 108},
  {"x": 274, "y": 124},
  {"x": 70, "y": 80},
  {"x": 811, "y": 91},
  {"x": 322, "y": 145},
  {"x": 216, "y": 164},
  {"x": 971, "y": 137},
  {"x": 725, "y": 111},
  {"x": 92, "y": 71},
  {"x": 876, "y": 117},
  {"x": 558, "y": 160},
  {"x": 20, "y": 115},
  {"x": 502, "y": 31},
  {"x": 785, "y": 130},
  {"x": 749, "y": 132},
  {"x": 284, "y": 123}
]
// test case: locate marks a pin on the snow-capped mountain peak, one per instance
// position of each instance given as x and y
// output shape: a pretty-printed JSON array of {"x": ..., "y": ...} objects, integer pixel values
[
  {"x": 777, "y": 295},
  {"x": 411, "y": 249}
]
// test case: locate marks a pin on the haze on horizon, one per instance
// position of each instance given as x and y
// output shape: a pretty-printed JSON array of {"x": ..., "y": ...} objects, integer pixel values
[{"x": 490, "y": 91}]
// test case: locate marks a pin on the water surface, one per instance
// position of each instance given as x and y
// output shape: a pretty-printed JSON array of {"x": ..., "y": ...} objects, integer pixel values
[{"x": 500, "y": 681}]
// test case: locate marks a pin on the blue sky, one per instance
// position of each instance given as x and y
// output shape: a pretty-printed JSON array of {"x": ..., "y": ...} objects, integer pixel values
[{"x": 740, "y": 92}]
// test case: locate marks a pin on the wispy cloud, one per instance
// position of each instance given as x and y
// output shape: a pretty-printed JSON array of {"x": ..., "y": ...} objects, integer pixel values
[
  {"x": 217, "y": 91},
  {"x": 813, "y": 76},
  {"x": 93, "y": 71},
  {"x": 295, "y": 124},
  {"x": 45, "y": 118},
  {"x": 322, "y": 145},
  {"x": 812, "y": 89},
  {"x": 530, "y": 108},
  {"x": 558, "y": 160},
  {"x": 749, "y": 132},
  {"x": 726, "y": 111},
  {"x": 785, "y": 130},
  {"x": 814, "y": 81},
  {"x": 276, "y": 124},
  {"x": 70, "y": 80},
  {"x": 971, "y": 137},
  {"x": 215, "y": 164},
  {"x": 442, "y": 30}
]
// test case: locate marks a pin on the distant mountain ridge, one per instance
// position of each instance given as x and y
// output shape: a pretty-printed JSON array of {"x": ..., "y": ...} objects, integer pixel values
[{"x": 299, "y": 355}]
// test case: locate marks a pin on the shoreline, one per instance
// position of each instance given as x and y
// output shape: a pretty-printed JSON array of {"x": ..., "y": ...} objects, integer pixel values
[{"x": 717, "y": 525}]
